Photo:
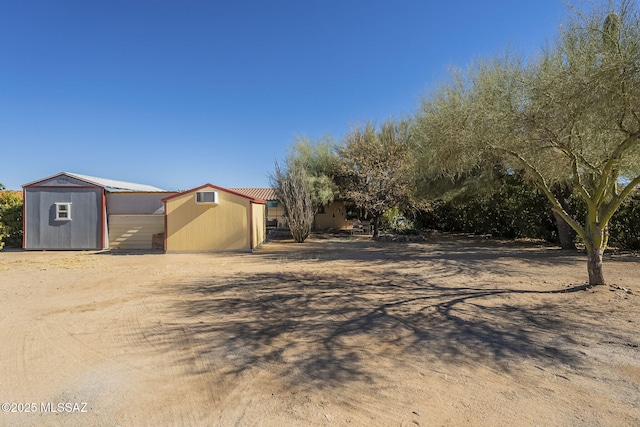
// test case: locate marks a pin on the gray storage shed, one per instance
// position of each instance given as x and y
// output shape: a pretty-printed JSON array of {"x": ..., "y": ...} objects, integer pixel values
[{"x": 69, "y": 211}]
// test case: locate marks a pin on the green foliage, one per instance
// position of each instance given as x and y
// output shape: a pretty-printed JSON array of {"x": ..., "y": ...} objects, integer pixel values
[
  {"x": 515, "y": 210},
  {"x": 10, "y": 220},
  {"x": 571, "y": 116},
  {"x": 390, "y": 217},
  {"x": 376, "y": 168},
  {"x": 624, "y": 230},
  {"x": 317, "y": 157},
  {"x": 319, "y": 160},
  {"x": 624, "y": 227},
  {"x": 396, "y": 222},
  {"x": 512, "y": 210}
]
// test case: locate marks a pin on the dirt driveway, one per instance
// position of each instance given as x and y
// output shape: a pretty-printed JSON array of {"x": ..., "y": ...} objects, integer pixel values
[{"x": 451, "y": 332}]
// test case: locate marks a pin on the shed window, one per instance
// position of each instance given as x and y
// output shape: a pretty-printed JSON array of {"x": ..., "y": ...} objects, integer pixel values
[
  {"x": 63, "y": 211},
  {"x": 207, "y": 197}
]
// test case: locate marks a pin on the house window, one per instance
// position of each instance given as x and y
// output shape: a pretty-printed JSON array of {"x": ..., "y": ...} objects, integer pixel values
[
  {"x": 207, "y": 197},
  {"x": 63, "y": 211}
]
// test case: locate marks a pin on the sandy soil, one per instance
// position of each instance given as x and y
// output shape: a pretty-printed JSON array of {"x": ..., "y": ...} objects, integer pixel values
[{"x": 451, "y": 332}]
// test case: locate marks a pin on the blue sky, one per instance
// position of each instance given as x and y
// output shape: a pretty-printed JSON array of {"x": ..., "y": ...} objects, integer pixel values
[{"x": 180, "y": 93}]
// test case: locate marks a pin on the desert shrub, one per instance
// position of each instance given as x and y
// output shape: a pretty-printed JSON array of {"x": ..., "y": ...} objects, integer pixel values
[
  {"x": 624, "y": 228},
  {"x": 395, "y": 221},
  {"x": 10, "y": 220},
  {"x": 513, "y": 210},
  {"x": 516, "y": 211}
]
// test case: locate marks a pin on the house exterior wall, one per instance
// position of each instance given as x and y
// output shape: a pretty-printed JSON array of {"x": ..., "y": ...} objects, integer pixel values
[
  {"x": 334, "y": 217},
  {"x": 192, "y": 227},
  {"x": 85, "y": 230},
  {"x": 133, "y": 203},
  {"x": 258, "y": 224}
]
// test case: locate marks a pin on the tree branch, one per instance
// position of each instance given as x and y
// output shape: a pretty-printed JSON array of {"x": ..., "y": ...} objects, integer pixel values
[
  {"x": 611, "y": 163},
  {"x": 542, "y": 185},
  {"x": 617, "y": 201}
]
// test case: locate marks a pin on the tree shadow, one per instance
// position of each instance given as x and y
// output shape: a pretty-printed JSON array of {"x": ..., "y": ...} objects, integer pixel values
[
  {"x": 446, "y": 257},
  {"x": 326, "y": 330}
]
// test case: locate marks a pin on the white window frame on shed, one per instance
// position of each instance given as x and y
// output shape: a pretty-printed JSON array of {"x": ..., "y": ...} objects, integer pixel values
[
  {"x": 207, "y": 198},
  {"x": 63, "y": 211}
]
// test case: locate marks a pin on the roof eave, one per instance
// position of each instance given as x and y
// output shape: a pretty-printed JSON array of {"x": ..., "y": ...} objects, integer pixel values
[{"x": 215, "y": 187}]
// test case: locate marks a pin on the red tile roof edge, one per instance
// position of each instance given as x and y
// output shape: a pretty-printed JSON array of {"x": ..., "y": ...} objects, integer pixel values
[{"x": 260, "y": 193}]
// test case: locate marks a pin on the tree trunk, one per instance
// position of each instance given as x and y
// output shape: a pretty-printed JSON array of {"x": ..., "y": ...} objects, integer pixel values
[
  {"x": 596, "y": 243},
  {"x": 594, "y": 266},
  {"x": 565, "y": 232},
  {"x": 376, "y": 226},
  {"x": 562, "y": 192}
]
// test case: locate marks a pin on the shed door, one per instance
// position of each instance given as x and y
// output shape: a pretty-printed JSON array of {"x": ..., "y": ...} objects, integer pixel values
[{"x": 134, "y": 231}]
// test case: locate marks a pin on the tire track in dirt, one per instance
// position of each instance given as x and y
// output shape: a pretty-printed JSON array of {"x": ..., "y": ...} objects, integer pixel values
[
  {"x": 170, "y": 354},
  {"x": 103, "y": 341},
  {"x": 30, "y": 357},
  {"x": 126, "y": 346}
]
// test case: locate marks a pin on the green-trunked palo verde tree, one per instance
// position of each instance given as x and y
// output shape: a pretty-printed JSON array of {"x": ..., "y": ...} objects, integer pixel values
[{"x": 570, "y": 116}]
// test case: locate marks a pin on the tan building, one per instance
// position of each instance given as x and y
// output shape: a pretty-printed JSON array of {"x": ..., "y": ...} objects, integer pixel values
[
  {"x": 212, "y": 219},
  {"x": 334, "y": 216},
  {"x": 275, "y": 209}
]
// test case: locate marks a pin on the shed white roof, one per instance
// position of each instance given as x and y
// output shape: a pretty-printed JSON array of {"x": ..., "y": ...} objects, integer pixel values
[
  {"x": 113, "y": 185},
  {"x": 108, "y": 184}
]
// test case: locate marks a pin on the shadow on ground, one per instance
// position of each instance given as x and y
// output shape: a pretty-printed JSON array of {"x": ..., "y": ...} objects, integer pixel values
[{"x": 330, "y": 327}]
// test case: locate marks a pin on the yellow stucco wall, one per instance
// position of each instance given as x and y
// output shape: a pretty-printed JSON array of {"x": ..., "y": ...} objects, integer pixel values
[
  {"x": 206, "y": 227},
  {"x": 334, "y": 217},
  {"x": 258, "y": 223}
]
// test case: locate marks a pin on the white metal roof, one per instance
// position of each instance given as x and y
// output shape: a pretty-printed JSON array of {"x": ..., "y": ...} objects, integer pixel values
[
  {"x": 108, "y": 184},
  {"x": 113, "y": 185}
]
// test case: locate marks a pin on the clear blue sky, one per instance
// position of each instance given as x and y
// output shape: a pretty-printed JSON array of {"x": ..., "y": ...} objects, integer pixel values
[{"x": 180, "y": 93}]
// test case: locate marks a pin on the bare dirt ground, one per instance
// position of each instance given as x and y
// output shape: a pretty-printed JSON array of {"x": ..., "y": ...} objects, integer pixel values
[{"x": 450, "y": 332}]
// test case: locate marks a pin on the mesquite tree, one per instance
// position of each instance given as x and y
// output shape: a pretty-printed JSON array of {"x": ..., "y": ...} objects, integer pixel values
[
  {"x": 570, "y": 116},
  {"x": 376, "y": 168}
]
